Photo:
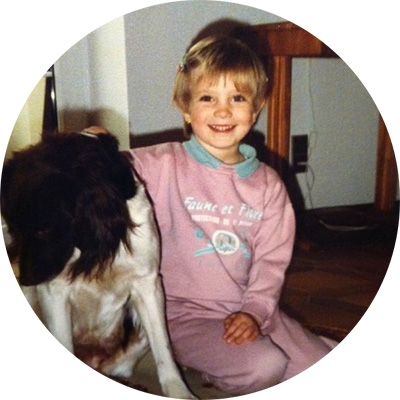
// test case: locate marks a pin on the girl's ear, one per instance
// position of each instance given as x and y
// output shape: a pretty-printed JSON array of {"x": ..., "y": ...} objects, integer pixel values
[
  {"x": 261, "y": 106},
  {"x": 184, "y": 112},
  {"x": 187, "y": 118},
  {"x": 257, "y": 111}
]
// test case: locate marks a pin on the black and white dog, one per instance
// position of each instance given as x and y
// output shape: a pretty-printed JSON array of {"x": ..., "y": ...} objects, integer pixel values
[{"x": 88, "y": 250}]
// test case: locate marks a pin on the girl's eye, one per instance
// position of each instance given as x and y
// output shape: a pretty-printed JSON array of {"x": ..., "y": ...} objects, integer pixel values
[
  {"x": 206, "y": 98},
  {"x": 238, "y": 98}
]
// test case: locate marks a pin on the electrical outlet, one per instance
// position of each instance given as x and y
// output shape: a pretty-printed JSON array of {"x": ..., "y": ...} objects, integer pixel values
[{"x": 299, "y": 153}]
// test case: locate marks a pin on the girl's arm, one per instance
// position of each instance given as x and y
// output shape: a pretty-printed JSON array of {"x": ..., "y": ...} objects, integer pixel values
[{"x": 272, "y": 252}]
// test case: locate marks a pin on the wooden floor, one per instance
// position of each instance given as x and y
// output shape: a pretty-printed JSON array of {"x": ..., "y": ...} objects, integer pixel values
[
  {"x": 333, "y": 278},
  {"x": 339, "y": 262}
]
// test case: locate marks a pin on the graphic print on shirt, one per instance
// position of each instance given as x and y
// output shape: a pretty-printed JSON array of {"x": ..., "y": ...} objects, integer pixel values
[{"x": 223, "y": 240}]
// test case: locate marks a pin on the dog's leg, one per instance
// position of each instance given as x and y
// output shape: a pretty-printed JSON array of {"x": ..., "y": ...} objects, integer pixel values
[
  {"x": 122, "y": 363},
  {"x": 147, "y": 296},
  {"x": 56, "y": 311},
  {"x": 30, "y": 294}
]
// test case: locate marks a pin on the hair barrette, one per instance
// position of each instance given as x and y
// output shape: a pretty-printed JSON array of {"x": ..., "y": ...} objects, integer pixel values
[{"x": 182, "y": 65}]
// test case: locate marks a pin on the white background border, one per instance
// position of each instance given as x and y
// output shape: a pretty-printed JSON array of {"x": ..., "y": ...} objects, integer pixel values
[{"x": 34, "y": 34}]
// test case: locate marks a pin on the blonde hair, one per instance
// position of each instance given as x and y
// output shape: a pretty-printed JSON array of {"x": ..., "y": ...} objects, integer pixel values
[{"x": 214, "y": 57}]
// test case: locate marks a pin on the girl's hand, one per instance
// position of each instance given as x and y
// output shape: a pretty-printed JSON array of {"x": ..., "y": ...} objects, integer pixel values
[
  {"x": 240, "y": 327},
  {"x": 95, "y": 130}
]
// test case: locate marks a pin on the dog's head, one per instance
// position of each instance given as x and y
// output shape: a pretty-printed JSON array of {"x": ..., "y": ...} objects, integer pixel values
[{"x": 65, "y": 192}]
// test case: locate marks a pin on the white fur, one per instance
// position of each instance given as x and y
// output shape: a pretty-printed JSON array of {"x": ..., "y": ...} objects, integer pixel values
[{"x": 89, "y": 311}]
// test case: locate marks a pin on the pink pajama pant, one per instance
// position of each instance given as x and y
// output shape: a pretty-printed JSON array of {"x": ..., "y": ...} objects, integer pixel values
[{"x": 247, "y": 368}]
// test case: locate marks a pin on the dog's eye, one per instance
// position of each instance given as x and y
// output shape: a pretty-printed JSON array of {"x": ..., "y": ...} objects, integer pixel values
[{"x": 43, "y": 233}]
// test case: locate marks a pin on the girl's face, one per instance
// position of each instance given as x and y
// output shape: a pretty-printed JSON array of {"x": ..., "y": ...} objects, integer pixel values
[{"x": 221, "y": 116}]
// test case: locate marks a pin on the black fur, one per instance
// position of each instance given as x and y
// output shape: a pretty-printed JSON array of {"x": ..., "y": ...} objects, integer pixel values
[{"x": 67, "y": 191}]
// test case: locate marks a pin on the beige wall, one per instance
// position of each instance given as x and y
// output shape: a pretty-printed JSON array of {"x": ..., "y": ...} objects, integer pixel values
[{"x": 28, "y": 127}]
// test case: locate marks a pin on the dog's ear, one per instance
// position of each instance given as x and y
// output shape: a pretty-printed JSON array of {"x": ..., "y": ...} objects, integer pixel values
[
  {"x": 102, "y": 222},
  {"x": 121, "y": 171},
  {"x": 122, "y": 176}
]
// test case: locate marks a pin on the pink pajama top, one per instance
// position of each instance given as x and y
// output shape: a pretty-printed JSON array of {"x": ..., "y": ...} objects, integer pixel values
[{"x": 227, "y": 231}]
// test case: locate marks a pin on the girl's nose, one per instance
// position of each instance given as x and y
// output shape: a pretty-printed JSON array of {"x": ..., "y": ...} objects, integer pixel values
[{"x": 222, "y": 110}]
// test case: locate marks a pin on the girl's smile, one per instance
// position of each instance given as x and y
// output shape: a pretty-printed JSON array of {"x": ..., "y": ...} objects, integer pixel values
[{"x": 222, "y": 128}]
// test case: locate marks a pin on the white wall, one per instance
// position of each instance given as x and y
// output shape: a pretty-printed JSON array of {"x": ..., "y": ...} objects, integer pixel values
[
  {"x": 332, "y": 106},
  {"x": 329, "y": 102},
  {"x": 72, "y": 83},
  {"x": 91, "y": 83},
  {"x": 158, "y": 37}
]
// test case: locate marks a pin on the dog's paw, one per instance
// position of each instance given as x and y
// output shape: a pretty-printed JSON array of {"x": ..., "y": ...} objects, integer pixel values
[
  {"x": 121, "y": 370},
  {"x": 177, "y": 390}
]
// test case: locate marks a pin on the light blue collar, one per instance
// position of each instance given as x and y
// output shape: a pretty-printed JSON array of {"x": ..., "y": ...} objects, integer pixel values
[{"x": 243, "y": 169}]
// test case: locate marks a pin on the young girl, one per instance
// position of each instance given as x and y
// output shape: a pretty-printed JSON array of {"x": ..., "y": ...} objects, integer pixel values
[{"x": 227, "y": 229}]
